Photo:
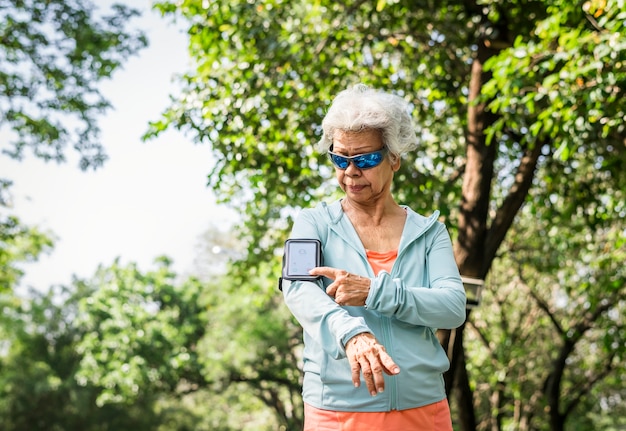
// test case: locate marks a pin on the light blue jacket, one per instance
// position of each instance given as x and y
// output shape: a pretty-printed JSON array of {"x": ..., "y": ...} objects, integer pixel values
[{"x": 403, "y": 309}]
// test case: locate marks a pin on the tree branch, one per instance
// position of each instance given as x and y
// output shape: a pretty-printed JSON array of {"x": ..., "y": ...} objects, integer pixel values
[
  {"x": 589, "y": 384},
  {"x": 513, "y": 201}
]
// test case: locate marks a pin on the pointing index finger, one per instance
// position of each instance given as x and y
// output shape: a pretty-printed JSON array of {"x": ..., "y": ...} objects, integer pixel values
[{"x": 325, "y": 271}]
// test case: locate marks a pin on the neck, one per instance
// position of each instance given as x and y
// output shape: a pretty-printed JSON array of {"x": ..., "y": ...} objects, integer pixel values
[{"x": 375, "y": 212}]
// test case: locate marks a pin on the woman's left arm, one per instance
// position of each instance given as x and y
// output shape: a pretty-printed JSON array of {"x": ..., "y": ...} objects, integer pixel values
[{"x": 439, "y": 305}]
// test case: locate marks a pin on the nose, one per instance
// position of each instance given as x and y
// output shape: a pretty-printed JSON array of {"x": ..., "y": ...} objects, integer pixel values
[{"x": 352, "y": 170}]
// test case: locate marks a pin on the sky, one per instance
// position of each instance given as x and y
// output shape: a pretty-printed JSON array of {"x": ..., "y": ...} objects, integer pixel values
[{"x": 149, "y": 199}]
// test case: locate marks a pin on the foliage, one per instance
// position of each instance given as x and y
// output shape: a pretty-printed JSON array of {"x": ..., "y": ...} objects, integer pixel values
[
  {"x": 254, "y": 343},
  {"x": 18, "y": 244},
  {"x": 38, "y": 389},
  {"x": 128, "y": 349},
  {"x": 141, "y": 332},
  {"x": 568, "y": 80},
  {"x": 53, "y": 55},
  {"x": 551, "y": 322}
]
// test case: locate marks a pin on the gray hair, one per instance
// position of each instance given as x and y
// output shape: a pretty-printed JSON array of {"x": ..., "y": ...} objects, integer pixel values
[{"x": 362, "y": 108}]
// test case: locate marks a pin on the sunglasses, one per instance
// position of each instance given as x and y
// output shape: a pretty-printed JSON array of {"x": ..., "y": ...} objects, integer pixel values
[{"x": 361, "y": 161}]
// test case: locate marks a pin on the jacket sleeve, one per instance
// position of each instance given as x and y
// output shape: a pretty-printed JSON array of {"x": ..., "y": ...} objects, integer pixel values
[
  {"x": 319, "y": 315},
  {"x": 441, "y": 304}
]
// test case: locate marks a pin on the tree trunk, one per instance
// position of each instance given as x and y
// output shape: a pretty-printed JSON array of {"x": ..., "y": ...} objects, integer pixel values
[
  {"x": 464, "y": 393},
  {"x": 470, "y": 245}
]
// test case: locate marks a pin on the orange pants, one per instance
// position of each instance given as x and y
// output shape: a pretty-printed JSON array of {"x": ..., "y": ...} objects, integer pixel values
[{"x": 433, "y": 417}]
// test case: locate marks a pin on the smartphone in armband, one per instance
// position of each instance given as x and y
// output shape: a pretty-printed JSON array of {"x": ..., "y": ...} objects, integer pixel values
[{"x": 301, "y": 255}]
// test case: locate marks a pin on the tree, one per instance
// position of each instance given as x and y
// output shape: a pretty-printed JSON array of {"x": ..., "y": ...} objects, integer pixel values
[
  {"x": 254, "y": 344},
  {"x": 53, "y": 54},
  {"x": 39, "y": 364},
  {"x": 128, "y": 349},
  {"x": 151, "y": 338},
  {"x": 18, "y": 244},
  {"x": 501, "y": 91},
  {"x": 548, "y": 340}
]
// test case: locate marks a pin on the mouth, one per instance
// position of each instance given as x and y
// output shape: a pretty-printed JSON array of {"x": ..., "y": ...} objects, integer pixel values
[{"x": 354, "y": 188}]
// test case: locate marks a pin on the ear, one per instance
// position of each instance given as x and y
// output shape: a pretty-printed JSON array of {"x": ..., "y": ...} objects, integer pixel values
[{"x": 394, "y": 161}]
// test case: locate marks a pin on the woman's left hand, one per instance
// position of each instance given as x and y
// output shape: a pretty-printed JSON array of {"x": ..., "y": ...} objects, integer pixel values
[
  {"x": 347, "y": 288},
  {"x": 367, "y": 356}
]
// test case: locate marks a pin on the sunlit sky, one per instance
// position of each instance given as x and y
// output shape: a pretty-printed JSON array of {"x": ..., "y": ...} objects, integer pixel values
[{"x": 149, "y": 199}]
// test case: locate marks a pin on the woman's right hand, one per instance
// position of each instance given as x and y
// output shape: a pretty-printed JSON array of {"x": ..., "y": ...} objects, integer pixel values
[{"x": 368, "y": 356}]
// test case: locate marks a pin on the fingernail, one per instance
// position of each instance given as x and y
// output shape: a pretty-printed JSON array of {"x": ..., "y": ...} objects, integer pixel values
[
  {"x": 373, "y": 393},
  {"x": 396, "y": 370}
]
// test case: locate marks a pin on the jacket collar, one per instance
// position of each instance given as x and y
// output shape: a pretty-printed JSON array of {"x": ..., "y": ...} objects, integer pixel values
[{"x": 415, "y": 226}]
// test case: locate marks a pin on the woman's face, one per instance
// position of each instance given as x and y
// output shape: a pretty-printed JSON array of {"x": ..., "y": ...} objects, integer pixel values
[{"x": 363, "y": 185}]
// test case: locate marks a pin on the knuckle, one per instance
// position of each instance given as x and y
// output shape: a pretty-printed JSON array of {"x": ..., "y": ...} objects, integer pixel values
[{"x": 377, "y": 368}]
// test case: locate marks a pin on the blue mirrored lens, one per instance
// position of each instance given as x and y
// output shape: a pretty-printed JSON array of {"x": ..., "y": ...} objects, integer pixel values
[
  {"x": 361, "y": 161},
  {"x": 340, "y": 162},
  {"x": 368, "y": 160}
]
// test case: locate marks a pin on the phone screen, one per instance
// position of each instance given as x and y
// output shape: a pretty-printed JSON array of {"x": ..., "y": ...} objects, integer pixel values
[{"x": 302, "y": 256}]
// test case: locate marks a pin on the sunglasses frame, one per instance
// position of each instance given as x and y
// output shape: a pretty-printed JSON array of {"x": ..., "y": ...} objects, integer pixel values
[{"x": 357, "y": 158}]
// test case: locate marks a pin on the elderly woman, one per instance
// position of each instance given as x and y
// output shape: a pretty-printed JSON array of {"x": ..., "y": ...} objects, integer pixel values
[{"x": 372, "y": 360}]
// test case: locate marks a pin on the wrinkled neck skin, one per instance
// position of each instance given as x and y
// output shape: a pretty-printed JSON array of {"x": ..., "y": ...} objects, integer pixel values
[{"x": 372, "y": 212}]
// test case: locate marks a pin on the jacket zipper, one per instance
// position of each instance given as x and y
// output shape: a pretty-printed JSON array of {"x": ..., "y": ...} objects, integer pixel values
[
  {"x": 392, "y": 390},
  {"x": 386, "y": 324}
]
